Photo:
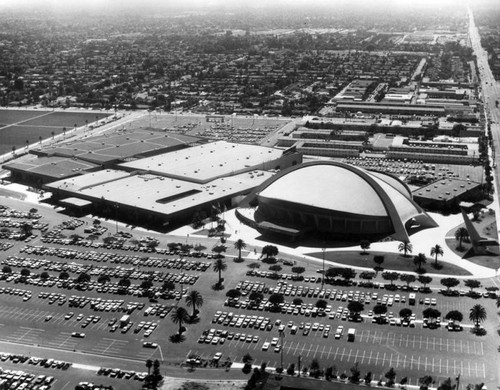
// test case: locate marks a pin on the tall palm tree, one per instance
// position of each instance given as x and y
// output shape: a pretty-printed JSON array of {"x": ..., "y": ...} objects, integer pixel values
[
  {"x": 179, "y": 316},
  {"x": 219, "y": 266},
  {"x": 461, "y": 234},
  {"x": 436, "y": 251},
  {"x": 149, "y": 364},
  {"x": 405, "y": 247},
  {"x": 477, "y": 314},
  {"x": 240, "y": 244},
  {"x": 194, "y": 299},
  {"x": 419, "y": 260}
]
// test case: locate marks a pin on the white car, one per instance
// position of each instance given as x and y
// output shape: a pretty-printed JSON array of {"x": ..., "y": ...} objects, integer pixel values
[
  {"x": 265, "y": 346},
  {"x": 274, "y": 341}
]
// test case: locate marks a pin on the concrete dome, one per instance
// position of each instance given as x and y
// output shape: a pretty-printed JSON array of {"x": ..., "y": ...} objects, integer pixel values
[{"x": 337, "y": 199}]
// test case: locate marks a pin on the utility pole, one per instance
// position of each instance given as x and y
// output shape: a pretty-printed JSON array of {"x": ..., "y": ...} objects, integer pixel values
[
  {"x": 299, "y": 365},
  {"x": 458, "y": 382},
  {"x": 282, "y": 334}
]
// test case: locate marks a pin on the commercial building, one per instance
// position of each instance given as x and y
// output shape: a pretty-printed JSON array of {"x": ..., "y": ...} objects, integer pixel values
[
  {"x": 333, "y": 200},
  {"x": 174, "y": 188}
]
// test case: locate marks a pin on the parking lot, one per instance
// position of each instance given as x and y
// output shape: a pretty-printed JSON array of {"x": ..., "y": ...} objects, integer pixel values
[{"x": 47, "y": 313}]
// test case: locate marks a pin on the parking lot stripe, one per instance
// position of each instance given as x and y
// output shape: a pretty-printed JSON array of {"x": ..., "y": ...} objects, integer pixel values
[{"x": 376, "y": 359}]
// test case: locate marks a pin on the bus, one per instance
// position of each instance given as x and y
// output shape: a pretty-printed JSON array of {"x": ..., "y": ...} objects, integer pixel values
[
  {"x": 351, "y": 333},
  {"x": 411, "y": 299}
]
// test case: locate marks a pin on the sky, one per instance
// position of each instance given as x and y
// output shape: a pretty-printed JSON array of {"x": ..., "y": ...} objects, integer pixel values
[{"x": 205, "y": 3}]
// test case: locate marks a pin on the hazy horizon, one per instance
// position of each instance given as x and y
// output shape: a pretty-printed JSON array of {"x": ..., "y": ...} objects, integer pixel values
[{"x": 203, "y": 4}]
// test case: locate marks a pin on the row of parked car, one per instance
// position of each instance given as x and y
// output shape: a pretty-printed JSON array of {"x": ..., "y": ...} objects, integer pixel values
[{"x": 118, "y": 373}]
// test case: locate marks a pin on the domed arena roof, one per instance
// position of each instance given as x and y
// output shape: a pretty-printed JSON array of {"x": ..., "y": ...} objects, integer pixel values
[{"x": 335, "y": 189}]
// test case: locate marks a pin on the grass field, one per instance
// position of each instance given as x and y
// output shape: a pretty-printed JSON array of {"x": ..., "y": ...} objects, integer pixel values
[
  {"x": 19, "y": 126},
  {"x": 392, "y": 261}
]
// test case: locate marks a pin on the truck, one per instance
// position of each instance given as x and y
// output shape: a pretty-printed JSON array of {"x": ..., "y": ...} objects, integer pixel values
[
  {"x": 124, "y": 320},
  {"x": 351, "y": 333}
]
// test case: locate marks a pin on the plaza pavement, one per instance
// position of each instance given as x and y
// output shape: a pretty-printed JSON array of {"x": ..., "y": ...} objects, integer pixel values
[{"x": 421, "y": 241}]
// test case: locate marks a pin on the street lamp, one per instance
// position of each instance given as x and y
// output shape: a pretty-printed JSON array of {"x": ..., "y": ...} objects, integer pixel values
[
  {"x": 282, "y": 334},
  {"x": 323, "y": 274}
]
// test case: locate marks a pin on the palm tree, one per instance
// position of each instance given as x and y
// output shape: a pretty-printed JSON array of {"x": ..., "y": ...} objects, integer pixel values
[
  {"x": 219, "y": 266},
  {"x": 149, "y": 364},
  {"x": 419, "y": 260},
  {"x": 194, "y": 299},
  {"x": 179, "y": 316},
  {"x": 460, "y": 235},
  {"x": 477, "y": 314},
  {"x": 240, "y": 244},
  {"x": 405, "y": 247},
  {"x": 52, "y": 133},
  {"x": 64, "y": 131},
  {"x": 436, "y": 251}
]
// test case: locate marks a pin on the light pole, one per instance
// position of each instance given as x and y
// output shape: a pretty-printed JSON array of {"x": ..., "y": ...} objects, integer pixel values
[
  {"x": 323, "y": 274},
  {"x": 282, "y": 334}
]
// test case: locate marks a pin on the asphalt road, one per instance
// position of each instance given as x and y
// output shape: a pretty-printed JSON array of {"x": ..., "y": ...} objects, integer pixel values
[{"x": 491, "y": 94}]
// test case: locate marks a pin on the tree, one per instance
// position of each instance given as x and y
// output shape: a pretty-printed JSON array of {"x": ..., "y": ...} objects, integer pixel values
[
  {"x": 431, "y": 314},
  {"x": 276, "y": 299},
  {"x": 297, "y": 301},
  {"x": 424, "y": 279},
  {"x": 179, "y": 316},
  {"x": 168, "y": 285},
  {"x": 446, "y": 385},
  {"x": 256, "y": 296},
  {"x": 391, "y": 276},
  {"x": 276, "y": 268},
  {"x": 195, "y": 300},
  {"x": 408, "y": 278},
  {"x": 455, "y": 316},
  {"x": 83, "y": 278},
  {"x": 25, "y": 272},
  {"x": 6, "y": 269},
  {"x": 347, "y": 273},
  {"x": 425, "y": 381},
  {"x": 240, "y": 245},
  {"x": 149, "y": 364},
  {"x": 436, "y": 251},
  {"x": 298, "y": 270},
  {"x": 460, "y": 235},
  {"x": 378, "y": 259},
  {"x": 124, "y": 282},
  {"x": 355, "y": 308},
  {"x": 291, "y": 369},
  {"x": 368, "y": 378},
  {"x": 419, "y": 260},
  {"x": 379, "y": 309},
  {"x": 233, "y": 293},
  {"x": 405, "y": 247},
  {"x": 405, "y": 313},
  {"x": 103, "y": 279},
  {"x": 219, "y": 266},
  {"x": 355, "y": 373},
  {"x": 218, "y": 250},
  {"x": 365, "y": 245},
  {"x": 477, "y": 315},
  {"x": 321, "y": 304},
  {"x": 64, "y": 275},
  {"x": 270, "y": 251},
  {"x": 391, "y": 375},
  {"x": 26, "y": 229},
  {"x": 450, "y": 282},
  {"x": 44, "y": 275},
  {"x": 199, "y": 248},
  {"x": 472, "y": 284},
  {"x": 146, "y": 284},
  {"x": 247, "y": 358}
]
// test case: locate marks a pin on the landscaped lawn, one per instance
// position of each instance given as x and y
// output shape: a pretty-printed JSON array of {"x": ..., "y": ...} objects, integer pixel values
[{"x": 392, "y": 261}]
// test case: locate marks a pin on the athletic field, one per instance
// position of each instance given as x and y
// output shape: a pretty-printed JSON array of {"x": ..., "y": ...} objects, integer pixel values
[{"x": 21, "y": 127}]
